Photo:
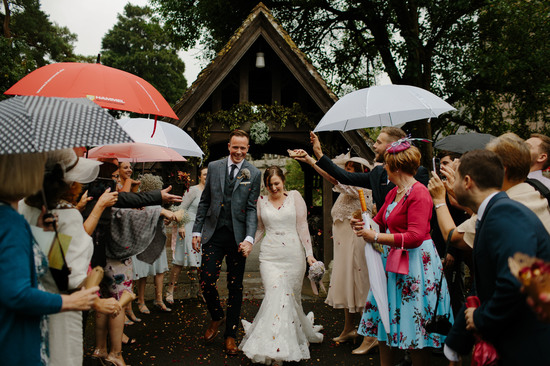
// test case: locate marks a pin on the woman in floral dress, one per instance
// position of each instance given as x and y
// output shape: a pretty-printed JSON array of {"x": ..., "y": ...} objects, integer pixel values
[{"x": 404, "y": 219}]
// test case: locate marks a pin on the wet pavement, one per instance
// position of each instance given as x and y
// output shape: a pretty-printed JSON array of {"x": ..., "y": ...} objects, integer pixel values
[{"x": 176, "y": 337}]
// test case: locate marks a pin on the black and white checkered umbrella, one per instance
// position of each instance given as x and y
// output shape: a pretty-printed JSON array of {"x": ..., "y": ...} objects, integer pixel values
[{"x": 31, "y": 124}]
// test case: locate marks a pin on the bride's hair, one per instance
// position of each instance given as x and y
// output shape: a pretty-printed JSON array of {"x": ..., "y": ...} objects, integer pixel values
[{"x": 272, "y": 171}]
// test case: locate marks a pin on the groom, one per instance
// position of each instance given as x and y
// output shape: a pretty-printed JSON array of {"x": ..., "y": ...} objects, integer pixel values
[{"x": 225, "y": 226}]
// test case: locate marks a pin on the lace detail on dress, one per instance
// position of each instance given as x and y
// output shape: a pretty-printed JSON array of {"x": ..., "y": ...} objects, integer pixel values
[
  {"x": 348, "y": 201},
  {"x": 281, "y": 331}
]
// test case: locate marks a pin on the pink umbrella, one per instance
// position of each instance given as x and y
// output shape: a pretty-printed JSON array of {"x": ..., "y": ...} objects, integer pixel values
[{"x": 135, "y": 152}]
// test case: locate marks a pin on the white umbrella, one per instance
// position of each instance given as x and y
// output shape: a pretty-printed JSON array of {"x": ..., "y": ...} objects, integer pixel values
[
  {"x": 383, "y": 105},
  {"x": 377, "y": 277},
  {"x": 166, "y": 135}
]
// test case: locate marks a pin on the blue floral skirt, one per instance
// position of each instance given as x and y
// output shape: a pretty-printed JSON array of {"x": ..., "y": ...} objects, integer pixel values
[{"x": 411, "y": 299}]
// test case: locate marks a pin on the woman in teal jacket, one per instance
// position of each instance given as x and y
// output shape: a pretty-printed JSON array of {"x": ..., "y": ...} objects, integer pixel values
[{"x": 23, "y": 305}]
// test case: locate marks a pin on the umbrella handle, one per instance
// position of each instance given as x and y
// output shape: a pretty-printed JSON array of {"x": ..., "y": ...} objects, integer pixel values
[{"x": 155, "y": 126}]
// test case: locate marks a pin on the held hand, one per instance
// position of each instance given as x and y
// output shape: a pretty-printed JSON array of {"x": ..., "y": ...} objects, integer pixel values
[
  {"x": 79, "y": 300},
  {"x": 169, "y": 198},
  {"x": 134, "y": 185},
  {"x": 46, "y": 221},
  {"x": 245, "y": 247},
  {"x": 196, "y": 242},
  {"x": 303, "y": 156},
  {"x": 107, "y": 306},
  {"x": 169, "y": 215},
  {"x": 311, "y": 259},
  {"x": 108, "y": 198},
  {"x": 449, "y": 261},
  {"x": 469, "y": 316},
  {"x": 356, "y": 224},
  {"x": 81, "y": 205},
  {"x": 316, "y": 145}
]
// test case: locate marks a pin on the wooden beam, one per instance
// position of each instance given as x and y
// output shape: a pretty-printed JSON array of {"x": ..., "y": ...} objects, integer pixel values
[
  {"x": 328, "y": 246},
  {"x": 216, "y": 100},
  {"x": 276, "y": 83},
  {"x": 243, "y": 80}
]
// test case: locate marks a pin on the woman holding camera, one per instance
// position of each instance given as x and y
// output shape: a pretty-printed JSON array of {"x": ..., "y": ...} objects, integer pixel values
[{"x": 404, "y": 221}]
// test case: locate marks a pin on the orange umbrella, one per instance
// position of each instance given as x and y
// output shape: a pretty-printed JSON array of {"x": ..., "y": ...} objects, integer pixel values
[{"x": 109, "y": 87}]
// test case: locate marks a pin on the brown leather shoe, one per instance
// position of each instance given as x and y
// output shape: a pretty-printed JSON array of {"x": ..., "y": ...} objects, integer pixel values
[
  {"x": 213, "y": 330},
  {"x": 230, "y": 346}
]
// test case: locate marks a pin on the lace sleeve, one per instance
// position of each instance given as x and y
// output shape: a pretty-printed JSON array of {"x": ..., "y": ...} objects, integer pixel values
[
  {"x": 301, "y": 222},
  {"x": 260, "y": 230},
  {"x": 345, "y": 189}
]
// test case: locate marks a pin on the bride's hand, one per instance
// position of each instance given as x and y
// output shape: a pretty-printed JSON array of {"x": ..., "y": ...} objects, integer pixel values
[{"x": 311, "y": 259}]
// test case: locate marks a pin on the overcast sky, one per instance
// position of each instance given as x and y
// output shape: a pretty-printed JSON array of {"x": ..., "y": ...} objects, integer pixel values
[{"x": 91, "y": 19}]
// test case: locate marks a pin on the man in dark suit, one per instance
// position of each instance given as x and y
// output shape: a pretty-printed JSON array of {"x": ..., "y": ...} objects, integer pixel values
[
  {"x": 375, "y": 180},
  {"x": 504, "y": 227},
  {"x": 225, "y": 226}
]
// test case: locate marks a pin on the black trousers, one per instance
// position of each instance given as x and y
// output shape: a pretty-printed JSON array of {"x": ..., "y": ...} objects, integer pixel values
[{"x": 222, "y": 244}]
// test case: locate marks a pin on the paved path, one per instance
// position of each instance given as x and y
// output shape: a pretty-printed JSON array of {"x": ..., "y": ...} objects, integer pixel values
[{"x": 176, "y": 338}]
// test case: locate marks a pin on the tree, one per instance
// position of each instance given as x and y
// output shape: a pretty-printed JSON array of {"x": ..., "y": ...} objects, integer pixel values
[
  {"x": 444, "y": 46},
  {"x": 138, "y": 44},
  {"x": 30, "y": 40},
  {"x": 510, "y": 87}
]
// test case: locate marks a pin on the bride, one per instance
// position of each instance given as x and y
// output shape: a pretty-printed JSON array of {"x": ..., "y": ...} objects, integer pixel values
[{"x": 281, "y": 331}]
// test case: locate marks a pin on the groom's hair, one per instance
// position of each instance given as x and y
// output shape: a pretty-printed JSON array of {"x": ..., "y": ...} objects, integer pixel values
[{"x": 239, "y": 133}]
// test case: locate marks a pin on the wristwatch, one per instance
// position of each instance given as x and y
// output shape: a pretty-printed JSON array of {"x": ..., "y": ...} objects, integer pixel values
[{"x": 376, "y": 238}]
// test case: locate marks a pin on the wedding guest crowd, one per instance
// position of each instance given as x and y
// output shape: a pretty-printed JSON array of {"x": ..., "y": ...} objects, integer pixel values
[{"x": 478, "y": 211}]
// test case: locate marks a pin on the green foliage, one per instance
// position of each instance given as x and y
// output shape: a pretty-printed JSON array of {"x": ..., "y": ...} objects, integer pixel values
[
  {"x": 276, "y": 116},
  {"x": 510, "y": 90},
  {"x": 30, "y": 41},
  {"x": 294, "y": 177},
  {"x": 487, "y": 57},
  {"x": 138, "y": 44}
]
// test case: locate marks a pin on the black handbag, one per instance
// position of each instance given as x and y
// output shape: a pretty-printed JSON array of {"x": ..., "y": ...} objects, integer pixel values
[{"x": 440, "y": 324}]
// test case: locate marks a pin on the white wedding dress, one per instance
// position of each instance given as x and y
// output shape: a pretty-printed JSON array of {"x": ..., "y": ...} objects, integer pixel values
[{"x": 281, "y": 331}]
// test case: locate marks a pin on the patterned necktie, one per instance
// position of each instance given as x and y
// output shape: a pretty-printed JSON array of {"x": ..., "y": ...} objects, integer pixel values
[{"x": 233, "y": 170}]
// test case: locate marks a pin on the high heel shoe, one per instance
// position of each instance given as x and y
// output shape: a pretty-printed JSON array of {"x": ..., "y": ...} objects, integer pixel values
[
  {"x": 132, "y": 317},
  {"x": 346, "y": 337},
  {"x": 100, "y": 355},
  {"x": 366, "y": 346},
  {"x": 143, "y": 308},
  {"x": 170, "y": 297},
  {"x": 161, "y": 306},
  {"x": 116, "y": 359}
]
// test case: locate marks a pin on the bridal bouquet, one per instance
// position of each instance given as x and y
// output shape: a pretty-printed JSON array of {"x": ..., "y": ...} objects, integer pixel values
[{"x": 316, "y": 273}]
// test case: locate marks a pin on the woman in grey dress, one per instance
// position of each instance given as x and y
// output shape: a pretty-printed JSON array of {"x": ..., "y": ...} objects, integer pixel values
[{"x": 184, "y": 255}]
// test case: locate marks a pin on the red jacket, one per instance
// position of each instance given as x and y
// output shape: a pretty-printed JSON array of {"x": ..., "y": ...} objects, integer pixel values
[{"x": 410, "y": 219}]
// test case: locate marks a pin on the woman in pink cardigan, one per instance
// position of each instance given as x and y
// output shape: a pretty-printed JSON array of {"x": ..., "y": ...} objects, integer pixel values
[{"x": 404, "y": 220}]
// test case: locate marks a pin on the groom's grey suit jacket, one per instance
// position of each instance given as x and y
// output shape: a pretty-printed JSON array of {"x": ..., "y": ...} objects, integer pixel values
[{"x": 243, "y": 201}]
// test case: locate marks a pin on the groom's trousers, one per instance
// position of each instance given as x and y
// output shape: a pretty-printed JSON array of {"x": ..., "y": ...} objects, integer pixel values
[{"x": 222, "y": 244}]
